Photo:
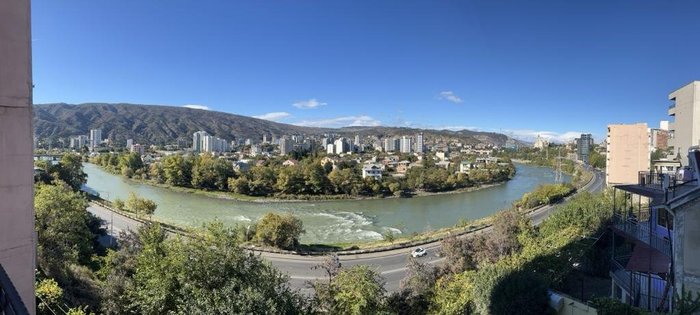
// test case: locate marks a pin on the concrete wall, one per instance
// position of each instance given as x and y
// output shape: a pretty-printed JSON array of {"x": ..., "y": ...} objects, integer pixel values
[
  {"x": 17, "y": 243},
  {"x": 686, "y": 120},
  {"x": 687, "y": 246},
  {"x": 627, "y": 153}
]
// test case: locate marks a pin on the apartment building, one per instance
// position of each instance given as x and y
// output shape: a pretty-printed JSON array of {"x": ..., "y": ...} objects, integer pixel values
[
  {"x": 684, "y": 126},
  {"x": 627, "y": 153},
  {"x": 656, "y": 237}
]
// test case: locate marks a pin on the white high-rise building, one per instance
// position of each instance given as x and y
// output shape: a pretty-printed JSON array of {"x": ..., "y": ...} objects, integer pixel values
[
  {"x": 419, "y": 143},
  {"x": 340, "y": 146},
  {"x": 406, "y": 144},
  {"x": 203, "y": 142},
  {"x": 330, "y": 148},
  {"x": 129, "y": 143},
  {"x": 392, "y": 144},
  {"x": 286, "y": 145},
  {"x": 197, "y": 140},
  {"x": 95, "y": 137}
]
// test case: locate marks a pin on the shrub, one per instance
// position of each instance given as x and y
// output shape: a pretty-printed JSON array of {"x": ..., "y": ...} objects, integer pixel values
[{"x": 281, "y": 231}]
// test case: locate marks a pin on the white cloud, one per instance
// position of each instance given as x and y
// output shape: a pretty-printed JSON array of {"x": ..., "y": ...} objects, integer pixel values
[
  {"x": 458, "y": 128},
  {"x": 308, "y": 104},
  {"x": 345, "y": 121},
  {"x": 450, "y": 96},
  {"x": 274, "y": 116},
  {"x": 531, "y": 135},
  {"x": 195, "y": 106}
]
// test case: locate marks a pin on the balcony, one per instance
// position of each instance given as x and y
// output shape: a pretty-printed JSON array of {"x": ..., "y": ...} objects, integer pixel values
[
  {"x": 10, "y": 302},
  {"x": 645, "y": 291},
  {"x": 639, "y": 229},
  {"x": 660, "y": 186}
]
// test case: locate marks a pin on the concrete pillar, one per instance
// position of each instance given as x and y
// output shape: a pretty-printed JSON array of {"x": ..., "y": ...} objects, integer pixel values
[{"x": 17, "y": 236}]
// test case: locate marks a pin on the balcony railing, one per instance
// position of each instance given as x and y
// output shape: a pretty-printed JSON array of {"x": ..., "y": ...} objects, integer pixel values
[
  {"x": 668, "y": 184},
  {"x": 639, "y": 229},
  {"x": 10, "y": 302},
  {"x": 638, "y": 287}
]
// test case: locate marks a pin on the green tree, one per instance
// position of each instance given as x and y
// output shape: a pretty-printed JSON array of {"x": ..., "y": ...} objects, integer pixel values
[
  {"x": 207, "y": 275},
  {"x": 177, "y": 170},
  {"x": 290, "y": 180},
  {"x": 315, "y": 178},
  {"x": 70, "y": 170},
  {"x": 282, "y": 231},
  {"x": 62, "y": 227},
  {"x": 48, "y": 295},
  {"x": 140, "y": 206},
  {"x": 358, "y": 290},
  {"x": 453, "y": 295}
]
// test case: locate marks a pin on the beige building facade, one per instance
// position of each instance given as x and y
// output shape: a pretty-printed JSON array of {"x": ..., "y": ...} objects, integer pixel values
[
  {"x": 685, "y": 120},
  {"x": 17, "y": 241},
  {"x": 627, "y": 153}
]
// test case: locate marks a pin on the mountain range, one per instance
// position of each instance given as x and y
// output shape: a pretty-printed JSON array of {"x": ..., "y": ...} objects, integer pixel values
[{"x": 156, "y": 124}]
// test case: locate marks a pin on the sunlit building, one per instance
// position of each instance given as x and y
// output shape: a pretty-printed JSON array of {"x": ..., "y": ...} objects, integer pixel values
[{"x": 627, "y": 153}]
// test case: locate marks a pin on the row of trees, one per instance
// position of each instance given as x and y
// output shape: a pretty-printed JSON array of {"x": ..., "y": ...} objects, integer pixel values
[{"x": 308, "y": 178}]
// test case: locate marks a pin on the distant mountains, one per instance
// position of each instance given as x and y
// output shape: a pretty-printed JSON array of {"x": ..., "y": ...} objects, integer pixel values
[{"x": 152, "y": 124}]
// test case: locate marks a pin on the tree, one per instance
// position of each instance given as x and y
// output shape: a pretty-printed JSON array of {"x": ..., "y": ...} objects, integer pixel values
[
  {"x": 501, "y": 289},
  {"x": 281, "y": 231},
  {"x": 290, "y": 180},
  {"x": 177, "y": 170},
  {"x": 119, "y": 204},
  {"x": 261, "y": 180},
  {"x": 207, "y": 275},
  {"x": 130, "y": 163},
  {"x": 156, "y": 173},
  {"x": 140, "y": 205},
  {"x": 454, "y": 295},
  {"x": 416, "y": 288},
  {"x": 48, "y": 294},
  {"x": 315, "y": 177},
  {"x": 70, "y": 170},
  {"x": 459, "y": 254},
  {"x": 62, "y": 226},
  {"x": 357, "y": 290},
  {"x": 238, "y": 185}
]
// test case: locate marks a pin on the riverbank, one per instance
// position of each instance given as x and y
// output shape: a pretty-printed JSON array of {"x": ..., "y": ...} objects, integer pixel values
[
  {"x": 355, "y": 248},
  {"x": 302, "y": 198},
  {"x": 330, "y": 222}
]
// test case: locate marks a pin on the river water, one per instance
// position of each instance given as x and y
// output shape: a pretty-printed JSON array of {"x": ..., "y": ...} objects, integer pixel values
[{"x": 329, "y": 221}]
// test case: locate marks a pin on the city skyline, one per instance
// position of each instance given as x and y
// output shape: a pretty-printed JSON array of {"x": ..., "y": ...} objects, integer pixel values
[{"x": 473, "y": 65}]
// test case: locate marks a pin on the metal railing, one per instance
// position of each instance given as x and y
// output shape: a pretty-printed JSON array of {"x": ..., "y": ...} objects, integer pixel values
[
  {"x": 637, "y": 286},
  {"x": 10, "y": 302},
  {"x": 669, "y": 184},
  {"x": 641, "y": 231},
  {"x": 657, "y": 180}
]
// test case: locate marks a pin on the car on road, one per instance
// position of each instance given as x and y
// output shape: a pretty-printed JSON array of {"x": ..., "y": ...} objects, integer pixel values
[{"x": 418, "y": 252}]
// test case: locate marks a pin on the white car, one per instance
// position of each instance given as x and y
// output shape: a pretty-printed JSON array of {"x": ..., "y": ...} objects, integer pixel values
[{"x": 418, "y": 252}]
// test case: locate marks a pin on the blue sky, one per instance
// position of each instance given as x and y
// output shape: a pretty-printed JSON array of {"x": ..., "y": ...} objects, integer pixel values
[{"x": 557, "y": 68}]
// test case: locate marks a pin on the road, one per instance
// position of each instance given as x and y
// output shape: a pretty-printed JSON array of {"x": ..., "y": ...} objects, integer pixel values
[{"x": 390, "y": 264}]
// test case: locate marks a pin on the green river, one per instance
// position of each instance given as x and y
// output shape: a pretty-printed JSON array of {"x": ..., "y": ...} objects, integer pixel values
[{"x": 329, "y": 221}]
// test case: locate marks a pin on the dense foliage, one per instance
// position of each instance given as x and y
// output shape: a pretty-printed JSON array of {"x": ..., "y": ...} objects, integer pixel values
[
  {"x": 69, "y": 170},
  {"x": 281, "y": 231},
  {"x": 308, "y": 178},
  {"x": 544, "y": 195},
  {"x": 516, "y": 281}
]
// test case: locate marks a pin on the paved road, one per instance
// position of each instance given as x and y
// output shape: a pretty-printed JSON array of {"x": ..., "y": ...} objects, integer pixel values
[{"x": 390, "y": 264}]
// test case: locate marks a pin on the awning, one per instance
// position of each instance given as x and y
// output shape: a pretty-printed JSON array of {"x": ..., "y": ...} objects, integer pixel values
[{"x": 645, "y": 259}]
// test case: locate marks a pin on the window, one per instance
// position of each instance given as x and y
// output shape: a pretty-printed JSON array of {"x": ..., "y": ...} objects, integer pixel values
[{"x": 662, "y": 215}]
